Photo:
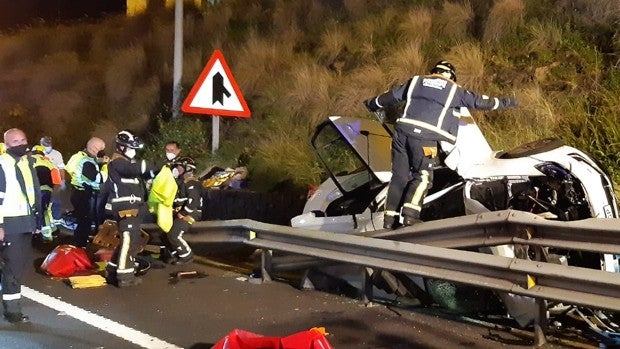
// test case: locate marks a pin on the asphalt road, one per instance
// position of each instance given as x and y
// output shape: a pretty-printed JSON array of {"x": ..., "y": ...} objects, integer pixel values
[{"x": 197, "y": 313}]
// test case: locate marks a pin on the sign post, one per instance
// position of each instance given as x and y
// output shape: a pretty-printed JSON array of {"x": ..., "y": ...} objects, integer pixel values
[{"x": 216, "y": 93}]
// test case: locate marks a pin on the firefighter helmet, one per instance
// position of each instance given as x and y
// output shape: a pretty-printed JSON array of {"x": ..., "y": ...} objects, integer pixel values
[
  {"x": 445, "y": 67},
  {"x": 127, "y": 139},
  {"x": 186, "y": 162}
]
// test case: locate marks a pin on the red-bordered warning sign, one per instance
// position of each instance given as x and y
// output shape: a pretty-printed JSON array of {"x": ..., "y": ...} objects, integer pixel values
[{"x": 216, "y": 91}]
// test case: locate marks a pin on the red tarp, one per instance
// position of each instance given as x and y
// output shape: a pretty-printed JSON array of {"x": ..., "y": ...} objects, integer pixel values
[
  {"x": 66, "y": 260},
  {"x": 240, "y": 339}
]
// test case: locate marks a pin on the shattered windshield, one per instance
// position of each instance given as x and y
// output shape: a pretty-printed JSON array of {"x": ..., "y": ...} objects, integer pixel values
[{"x": 340, "y": 159}]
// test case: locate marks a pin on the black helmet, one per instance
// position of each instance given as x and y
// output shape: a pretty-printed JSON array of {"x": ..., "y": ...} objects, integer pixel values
[
  {"x": 127, "y": 139},
  {"x": 444, "y": 67},
  {"x": 186, "y": 162}
]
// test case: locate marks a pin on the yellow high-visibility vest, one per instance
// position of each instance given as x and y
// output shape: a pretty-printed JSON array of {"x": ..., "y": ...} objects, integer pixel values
[
  {"x": 161, "y": 197},
  {"x": 17, "y": 203}
]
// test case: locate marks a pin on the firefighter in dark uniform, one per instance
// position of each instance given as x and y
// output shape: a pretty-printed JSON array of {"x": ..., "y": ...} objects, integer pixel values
[
  {"x": 187, "y": 209},
  {"x": 20, "y": 211},
  {"x": 126, "y": 203},
  {"x": 430, "y": 115}
]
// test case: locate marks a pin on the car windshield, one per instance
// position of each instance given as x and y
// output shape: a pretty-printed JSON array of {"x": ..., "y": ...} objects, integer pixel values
[{"x": 340, "y": 158}]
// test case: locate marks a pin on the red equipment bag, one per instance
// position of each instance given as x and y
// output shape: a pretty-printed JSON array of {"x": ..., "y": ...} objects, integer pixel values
[
  {"x": 240, "y": 339},
  {"x": 66, "y": 260}
]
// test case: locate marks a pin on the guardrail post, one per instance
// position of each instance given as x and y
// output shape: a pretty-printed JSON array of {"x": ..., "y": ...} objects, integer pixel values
[
  {"x": 266, "y": 262},
  {"x": 367, "y": 286},
  {"x": 540, "y": 321}
]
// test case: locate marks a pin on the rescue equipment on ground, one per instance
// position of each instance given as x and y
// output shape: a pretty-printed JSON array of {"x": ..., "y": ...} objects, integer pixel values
[
  {"x": 87, "y": 281},
  {"x": 66, "y": 260},
  {"x": 313, "y": 338},
  {"x": 107, "y": 236}
]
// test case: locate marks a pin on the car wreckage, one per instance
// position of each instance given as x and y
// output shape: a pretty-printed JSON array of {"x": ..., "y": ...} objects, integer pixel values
[{"x": 545, "y": 177}]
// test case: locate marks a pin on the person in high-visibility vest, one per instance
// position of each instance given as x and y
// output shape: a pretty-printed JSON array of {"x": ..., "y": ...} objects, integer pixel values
[
  {"x": 49, "y": 178},
  {"x": 86, "y": 182},
  {"x": 20, "y": 207}
]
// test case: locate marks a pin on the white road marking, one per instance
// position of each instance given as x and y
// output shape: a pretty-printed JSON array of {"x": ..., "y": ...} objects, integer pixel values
[{"x": 127, "y": 333}]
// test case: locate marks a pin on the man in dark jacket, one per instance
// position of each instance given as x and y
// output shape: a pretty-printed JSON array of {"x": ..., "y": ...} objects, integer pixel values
[
  {"x": 126, "y": 203},
  {"x": 431, "y": 114},
  {"x": 19, "y": 215},
  {"x": 187, "y": 209}
]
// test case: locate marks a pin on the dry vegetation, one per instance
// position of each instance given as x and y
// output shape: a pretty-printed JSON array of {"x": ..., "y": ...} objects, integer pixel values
[{"x": 299, "y": 61}]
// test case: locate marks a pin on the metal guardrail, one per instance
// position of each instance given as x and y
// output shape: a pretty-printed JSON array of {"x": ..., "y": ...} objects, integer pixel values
[
  {"x": 512, "y": 227},
  {"x": 569, "y": 284}
]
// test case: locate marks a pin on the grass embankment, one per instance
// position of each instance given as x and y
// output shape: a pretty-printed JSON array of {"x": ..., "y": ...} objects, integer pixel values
[{"x": 299, "y": 61}]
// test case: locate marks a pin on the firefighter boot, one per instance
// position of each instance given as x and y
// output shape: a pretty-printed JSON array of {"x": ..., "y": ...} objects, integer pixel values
[
  {"x": 409, "y": 221},
  {"x": 389, "y": 221},
  {"x": 185, "y": 259}
]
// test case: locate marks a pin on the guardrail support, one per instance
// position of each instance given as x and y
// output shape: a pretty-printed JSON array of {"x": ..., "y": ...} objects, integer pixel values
[
  {"x": 540, "y": 321},
  {"x": 367, "y": 291},
  {"x": 266, "y": 259}
]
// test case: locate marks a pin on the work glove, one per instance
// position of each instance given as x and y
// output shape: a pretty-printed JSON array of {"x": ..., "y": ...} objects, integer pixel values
[
  {"x": 510, "y": 102},
  {"x": 371, "y": 105}
]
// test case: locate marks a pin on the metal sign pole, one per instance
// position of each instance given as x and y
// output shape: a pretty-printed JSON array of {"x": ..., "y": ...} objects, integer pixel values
[
  {"x": 215, "y": 133},
  {"x": 178, "y": 59}
]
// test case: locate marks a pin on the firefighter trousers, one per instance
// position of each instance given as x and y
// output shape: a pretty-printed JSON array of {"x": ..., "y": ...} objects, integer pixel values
[{"x": 413, "y": 160}]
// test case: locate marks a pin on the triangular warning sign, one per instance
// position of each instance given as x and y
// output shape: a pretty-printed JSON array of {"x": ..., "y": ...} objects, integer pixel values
[{"x": 216, "y": 91}]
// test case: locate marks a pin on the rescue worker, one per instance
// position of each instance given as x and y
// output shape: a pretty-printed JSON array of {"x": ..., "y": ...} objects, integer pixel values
[
  {"x": 187, "y": 210},
  {"x": 86, "y": 182},
  {"x": 49, "y": 178},
  {"x": 19, "y": 210},
  {"x": 431, "y": 115},
  {"x": 56, "y": 158},
  {"x": 127, "y": 205},
  {"x": 173, "y": 150}
]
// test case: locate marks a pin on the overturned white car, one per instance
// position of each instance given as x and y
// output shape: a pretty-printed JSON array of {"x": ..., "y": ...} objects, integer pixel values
[{"x": 545, "y": 177}]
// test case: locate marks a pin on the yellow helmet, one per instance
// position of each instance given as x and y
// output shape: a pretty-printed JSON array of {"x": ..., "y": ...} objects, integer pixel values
[{"x": 38, "y": 149}]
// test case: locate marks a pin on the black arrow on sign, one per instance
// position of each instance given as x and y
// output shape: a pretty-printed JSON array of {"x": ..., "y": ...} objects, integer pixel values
[{"x": 218, "y": 89}]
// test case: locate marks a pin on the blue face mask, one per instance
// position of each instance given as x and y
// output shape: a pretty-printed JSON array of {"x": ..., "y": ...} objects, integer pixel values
[{"x": 48, "y": 150}]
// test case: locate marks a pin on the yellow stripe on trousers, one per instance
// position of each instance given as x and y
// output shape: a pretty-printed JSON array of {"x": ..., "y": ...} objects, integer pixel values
[{"x": 419, "y": 192}]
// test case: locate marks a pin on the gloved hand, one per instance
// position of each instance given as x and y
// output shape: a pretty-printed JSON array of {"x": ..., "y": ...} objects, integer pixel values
[
  {"x": 371, "y": 105},
  {"x": 510, "y": 102}
]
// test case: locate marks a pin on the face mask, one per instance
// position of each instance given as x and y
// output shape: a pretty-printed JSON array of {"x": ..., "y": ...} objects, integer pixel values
[
  {"x": 18, "y": 150},
  {"x": 130, "y": 153},
  {"x": 101, "y": 154},
  {"x": 48, "y": 150},
  {"x": 175, "y": 172},
  {"x": 170, "y": 156}
]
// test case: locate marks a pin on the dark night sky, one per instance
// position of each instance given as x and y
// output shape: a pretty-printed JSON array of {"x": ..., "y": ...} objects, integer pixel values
[{"x": 14, "y": 13}]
